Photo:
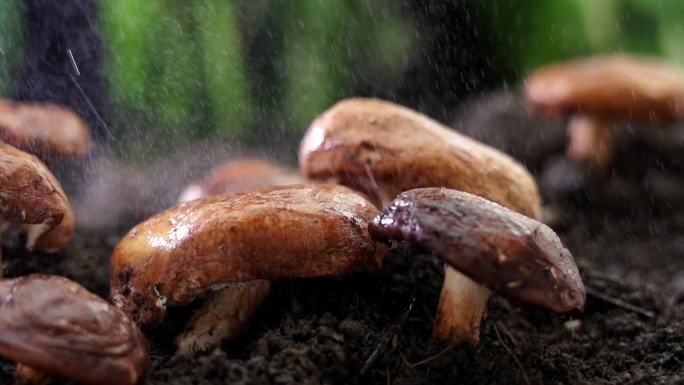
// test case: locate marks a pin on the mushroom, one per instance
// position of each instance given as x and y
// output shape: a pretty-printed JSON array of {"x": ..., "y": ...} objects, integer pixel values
[
  {"x": 238, "y": 240},
  {"x": 597, "y": 92},
  {"x": 236, "y": 176},
  {"x": 45, "y": 130},
  {"x": 383, "y": 149},
  {"x": 496, "y": 248},
  {"x": 54, "y": 326},
  {"x": 32, "y": 200},
  {"x": 239, "y": 176}
]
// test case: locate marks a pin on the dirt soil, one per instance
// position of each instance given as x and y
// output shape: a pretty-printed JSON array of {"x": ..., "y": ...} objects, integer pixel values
[{"x": 375, "y": 328}]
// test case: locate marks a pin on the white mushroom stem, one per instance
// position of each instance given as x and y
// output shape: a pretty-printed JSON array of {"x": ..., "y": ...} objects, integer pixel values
[
  {"x": 33, "y": 233},
  {"x": 591, "y": 139},
  {"x": 462, "y": 305},
  {"x": 223, "y": 315},
  {"x": 26, "y": 375}
]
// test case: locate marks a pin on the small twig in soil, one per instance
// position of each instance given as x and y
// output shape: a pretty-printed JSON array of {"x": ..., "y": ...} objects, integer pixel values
[
  {"x": 509, "y": 335},
  {"x": 620, "y": 303},
  {"x": 515, "y": 358},
  {"x": 384, "y": 341},
  {"x": 604, "y": 277},
  {"x": 428, "y": 359}
]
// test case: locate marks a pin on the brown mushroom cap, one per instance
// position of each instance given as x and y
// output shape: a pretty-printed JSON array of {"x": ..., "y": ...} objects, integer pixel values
[
  {"x": 496, "y": 247},
  {"x": 239, "y": 176},
  {"x": 383, "y": 149},
  {"x": 56, "y": 326},
  {"x": 33, "y": 200},
  {"x": 285, "y": 231},
  {"x": 623, "y": 86},
  {"x": 43, "y": 129}
]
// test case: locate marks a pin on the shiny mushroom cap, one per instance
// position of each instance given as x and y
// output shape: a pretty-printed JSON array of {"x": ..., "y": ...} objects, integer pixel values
[
  {"x": 44, "y": 130},
  {"x": 241, "y": 175},
  {"x": 615, "y": 87},
  {"x": 56, "y": 326},
  {"x": 498, "y": 248},
  {"x": 31, "y": 199},
  {"x": 383, "y": 149},
  {"x": 285, "y": 231}
]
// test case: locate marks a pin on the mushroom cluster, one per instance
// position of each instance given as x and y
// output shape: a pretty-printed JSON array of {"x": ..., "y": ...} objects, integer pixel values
[
  {"x": 231, "y": 234},
  {"x": 371, "y": 172},
  {"x": 49, "y": 325},
  {"x": 384, "y": 149},
  {"x": 31, "y": 198}
]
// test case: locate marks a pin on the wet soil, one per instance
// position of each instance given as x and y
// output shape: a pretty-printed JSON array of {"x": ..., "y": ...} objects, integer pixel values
[{"x": 375, "y": 328}]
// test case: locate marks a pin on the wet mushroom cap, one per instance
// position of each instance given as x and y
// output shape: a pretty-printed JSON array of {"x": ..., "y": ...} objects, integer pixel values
[
  {"x": 370, "y": 144},
  {"x": 43, "y": 129},
  {"x": 206, "y": 244},
  {"x": 31, "y": 198},
  {"x": 241, "y": 175},
  {"x": 496, "y": 247},
  {"x": 624, "y": 86},
  {"x": 56, "y": 326}
]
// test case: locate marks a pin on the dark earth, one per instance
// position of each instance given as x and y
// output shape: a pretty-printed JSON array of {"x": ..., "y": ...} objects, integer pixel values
[{"x": 625, "y": 229}]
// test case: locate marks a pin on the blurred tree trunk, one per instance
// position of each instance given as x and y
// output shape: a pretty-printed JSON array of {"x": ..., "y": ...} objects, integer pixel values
[{"x": 62, "y": 61}]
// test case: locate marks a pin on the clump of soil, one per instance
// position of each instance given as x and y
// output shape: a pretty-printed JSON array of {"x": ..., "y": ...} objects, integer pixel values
[{"x": 375, "y": 328}]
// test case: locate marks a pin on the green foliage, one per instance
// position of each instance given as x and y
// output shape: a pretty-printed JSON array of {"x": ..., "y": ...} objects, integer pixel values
[
  {"x": 530, "y": 33},
  {"x": 333, "y": 44},
  {"x": 10, "y": 41},
  {"x": 183, "y": 66},
  {"x": 186, "y": 66},
  {"x": 222, "y": 65}
]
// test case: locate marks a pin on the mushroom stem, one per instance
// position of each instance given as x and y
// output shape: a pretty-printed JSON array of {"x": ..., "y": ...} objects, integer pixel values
[
  {"x": 26, "y": 375},
  {"x": 462, "y": 305},
  {"x": 592, "y": 140},
  {"x": 223, "y": 315}
]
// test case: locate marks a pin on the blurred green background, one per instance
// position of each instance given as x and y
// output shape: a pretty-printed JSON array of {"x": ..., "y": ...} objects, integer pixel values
[{"x": 243, "y": 69}]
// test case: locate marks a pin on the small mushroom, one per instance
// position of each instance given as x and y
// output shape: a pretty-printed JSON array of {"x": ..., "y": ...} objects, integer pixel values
[
  {"x": 238, "y": 240},
  {"x": 45, "y": 130},
  {"x": 239, "y": 176},
  {"x": 383, "y": 149},
  {"x": 54, "y": 326},
  {"x": 486, "y": 247},
  {"x": 597, "y": 92},
  {"x": 32, "y": 200}
]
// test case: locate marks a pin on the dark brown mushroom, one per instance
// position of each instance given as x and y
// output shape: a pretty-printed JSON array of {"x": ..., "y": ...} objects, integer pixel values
[
  {"x": 598, "y": 91},
  {"x": 239, "y": 240},
  {"x": 44, "y": 130},
  {"x": 54, "y": 326},
  {"x": 383, "y": 149},
  {"x": 32, "y": 200},
  {"x": 486, "y": 247},
  {"x": 241, "y": 175}
]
